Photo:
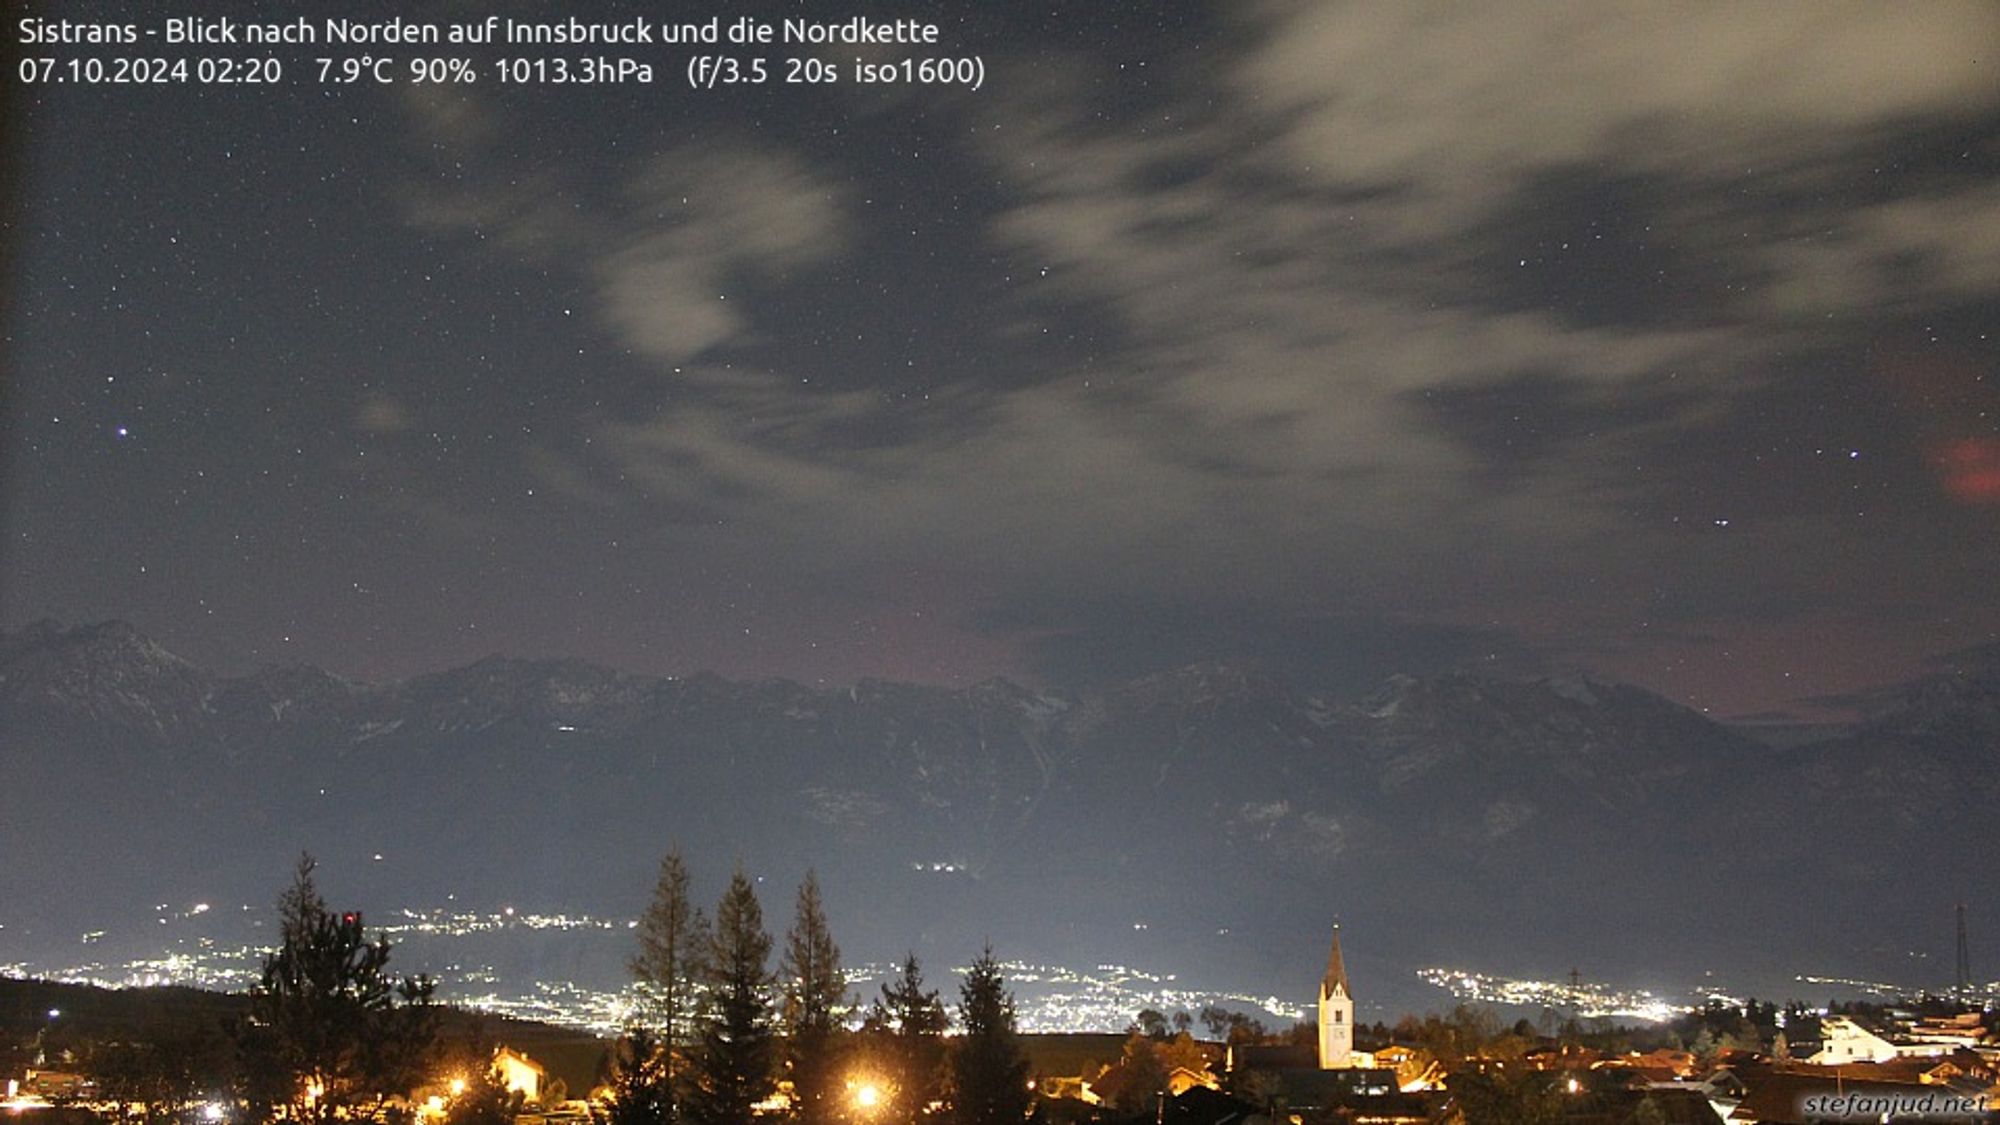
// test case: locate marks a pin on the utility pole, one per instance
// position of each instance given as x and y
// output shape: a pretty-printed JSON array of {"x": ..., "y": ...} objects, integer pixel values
[{"x": 1964, "y": 954}]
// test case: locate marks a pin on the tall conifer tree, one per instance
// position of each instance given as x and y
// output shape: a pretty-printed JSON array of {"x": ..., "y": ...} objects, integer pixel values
[
  {"x": 907, "y": 1025},
  {"x": 673, "y": 942},
  {"x": 815, "y": 992},
  {"x": 733, "y": 1060},
  {"x": 989, "y": 1072},
  {"x": 334, "y": 1035}
]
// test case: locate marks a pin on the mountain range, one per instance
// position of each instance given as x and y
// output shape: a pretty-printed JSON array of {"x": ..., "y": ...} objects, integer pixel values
[{"x": 1211, "y": 819}]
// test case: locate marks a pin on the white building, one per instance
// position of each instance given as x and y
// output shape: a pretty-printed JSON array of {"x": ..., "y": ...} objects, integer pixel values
[
  {"x": 1844, "y": 1041},
  {"x": 1336, "y": 1012}
]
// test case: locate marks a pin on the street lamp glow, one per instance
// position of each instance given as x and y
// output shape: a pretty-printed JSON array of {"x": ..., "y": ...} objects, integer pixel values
[{"x": 868, "y": 1095}]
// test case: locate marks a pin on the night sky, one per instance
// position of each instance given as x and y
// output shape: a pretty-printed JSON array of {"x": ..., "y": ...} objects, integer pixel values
[{"x": 1657, "y": 343}]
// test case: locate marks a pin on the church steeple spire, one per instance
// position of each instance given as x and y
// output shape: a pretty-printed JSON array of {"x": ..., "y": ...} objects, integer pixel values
[
  {"x": 1335, "y": 981},
  {"x": 1336, "y": 1011}
]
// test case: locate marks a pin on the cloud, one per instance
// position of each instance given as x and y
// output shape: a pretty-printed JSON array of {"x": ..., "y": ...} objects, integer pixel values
[
  {"x": 1463, "y": 104},
  {"x": 739, "y": 438},
  {"x": 533, "y": 214},
  {"x": 689, "y": 227},
  {"x": 454, "y": 118},
  {"x": 684, "y": 262},
  {"x": 1279, "y": 284},
  {"x": 381, "y": 413},
  {"x": 1905, "y": 255},
  {"x": 1328, "y": 361},
  {"x": 1271, "y": 336},
  {"x": 701, "y": 222},
  {"x": 1454, "y": 118}
]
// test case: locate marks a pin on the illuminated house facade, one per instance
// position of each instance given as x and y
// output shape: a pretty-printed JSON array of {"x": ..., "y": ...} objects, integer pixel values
[
  {"x": 1844, "y": 1041},
  {"x": 519, "y": 1073}
]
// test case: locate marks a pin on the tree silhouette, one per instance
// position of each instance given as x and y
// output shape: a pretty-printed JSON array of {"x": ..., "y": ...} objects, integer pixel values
[
  {"x": 814, "y": 992},
  {"x": 988, "y": 1069},
  {"x": 332, "y": 1034},
  {"x": 906, "y": 1027},
  {"x": 640, "y": 1084},
  {"x": 733, "y": 1063},
  {"x": 673, "y": 943},
  {"x": 166, "y": 1069}
]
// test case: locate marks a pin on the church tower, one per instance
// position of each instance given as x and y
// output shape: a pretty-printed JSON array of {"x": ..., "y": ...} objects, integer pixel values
[{"x": 1336, "y": 1012}]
